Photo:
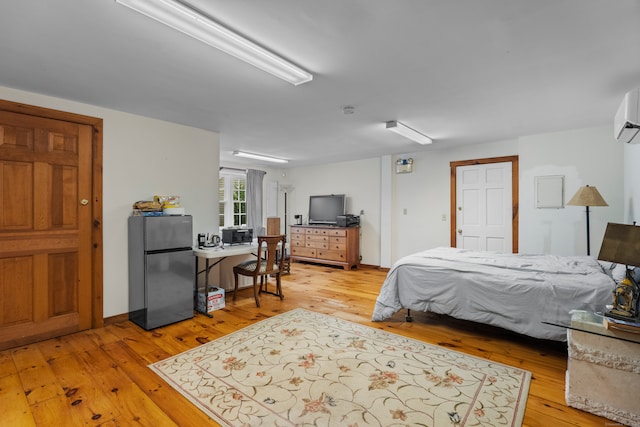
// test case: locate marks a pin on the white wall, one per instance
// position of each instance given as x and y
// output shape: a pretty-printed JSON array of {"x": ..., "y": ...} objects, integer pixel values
[
  {"x": 358, "y": 180},
  {"x": 584, "y": 157},
  {"x": 142, "y": 157},
  {"x": 425, "y": 195},
  {"x": 632, "y": 182}
]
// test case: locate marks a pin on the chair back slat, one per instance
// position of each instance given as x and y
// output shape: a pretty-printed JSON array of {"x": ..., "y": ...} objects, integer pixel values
[{"x": 274, "y": 258}]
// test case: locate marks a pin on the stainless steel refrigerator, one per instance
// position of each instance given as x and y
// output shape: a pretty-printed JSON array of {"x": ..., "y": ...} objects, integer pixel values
[{"x": 161, "y": 270}]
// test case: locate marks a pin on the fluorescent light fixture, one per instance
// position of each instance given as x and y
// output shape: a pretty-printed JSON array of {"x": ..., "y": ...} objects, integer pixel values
[
  {"x": 183, "y": 18},
  {"x": 259, "y": 157},
  {"x": 407, "y": 132}
]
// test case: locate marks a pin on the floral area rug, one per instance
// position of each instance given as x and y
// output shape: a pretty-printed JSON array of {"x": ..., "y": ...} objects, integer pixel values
[{"x": 303, "y": 368}]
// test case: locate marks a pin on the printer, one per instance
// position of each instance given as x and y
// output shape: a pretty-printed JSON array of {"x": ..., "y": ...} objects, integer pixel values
[
  {"x": 348, "y": 220},
  {"x": 235, "y": 236}
]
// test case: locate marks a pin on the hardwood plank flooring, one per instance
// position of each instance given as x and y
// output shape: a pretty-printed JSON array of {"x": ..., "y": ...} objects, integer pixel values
[{"x": 100, "y": 377}]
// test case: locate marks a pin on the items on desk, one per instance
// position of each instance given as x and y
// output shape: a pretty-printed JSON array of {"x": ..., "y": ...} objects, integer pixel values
[
  {"x": 235, "y": 236},
  {"x": 208, "y": 240}
]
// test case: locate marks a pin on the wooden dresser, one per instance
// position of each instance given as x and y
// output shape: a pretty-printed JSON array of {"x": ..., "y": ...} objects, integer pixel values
[{"x": 326, "y": 245}]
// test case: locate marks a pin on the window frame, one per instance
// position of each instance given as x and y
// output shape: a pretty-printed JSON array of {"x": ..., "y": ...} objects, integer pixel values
[{"x": 227, "y": 203}]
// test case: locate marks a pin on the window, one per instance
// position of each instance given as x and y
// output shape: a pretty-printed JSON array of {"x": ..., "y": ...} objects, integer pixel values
[{"x": 232, "y": 200}]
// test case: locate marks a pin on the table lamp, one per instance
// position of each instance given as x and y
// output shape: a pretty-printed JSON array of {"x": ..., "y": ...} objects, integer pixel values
[{"x": 621, "y": 244}]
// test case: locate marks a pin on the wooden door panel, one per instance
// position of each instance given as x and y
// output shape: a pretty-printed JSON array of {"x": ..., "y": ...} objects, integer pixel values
[
  {"x": 63, "y": 279},
  {"x": 46, "y": 168},
  {"x": 64, "y": 180},
  {"x": 16, "y": 286},
  {"x": 16, "y": 244},
  {"x": 16, "y": 197},
  {"x": 58, "y": 197},
  {"x": 58, "y": 142},
  {"x": 15, "y": 138}
]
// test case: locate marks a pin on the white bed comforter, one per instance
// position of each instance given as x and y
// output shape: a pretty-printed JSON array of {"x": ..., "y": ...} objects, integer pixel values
[{"x": 512, "y": 291}]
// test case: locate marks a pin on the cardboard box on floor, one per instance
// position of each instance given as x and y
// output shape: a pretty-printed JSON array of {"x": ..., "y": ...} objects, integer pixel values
[{"x": 213, "y": 300}]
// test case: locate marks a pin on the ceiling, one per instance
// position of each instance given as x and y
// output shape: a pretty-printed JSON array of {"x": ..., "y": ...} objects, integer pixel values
[{"x": 461, "y": 71}]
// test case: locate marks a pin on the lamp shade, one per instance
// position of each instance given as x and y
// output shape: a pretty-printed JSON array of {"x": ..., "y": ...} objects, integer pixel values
[
  {"x": 587, "y": 196},
  {"x": 621, "y": 244}
]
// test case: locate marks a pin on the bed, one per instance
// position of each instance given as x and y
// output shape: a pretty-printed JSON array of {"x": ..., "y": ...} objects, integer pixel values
[{"x": 512, "y": 291}]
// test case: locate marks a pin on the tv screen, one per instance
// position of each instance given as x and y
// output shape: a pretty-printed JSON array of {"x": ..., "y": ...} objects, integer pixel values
[{"x": 325, "y": 209}]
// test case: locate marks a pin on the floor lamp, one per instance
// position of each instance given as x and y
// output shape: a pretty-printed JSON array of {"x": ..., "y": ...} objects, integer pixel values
[
  {"x": 285, "y": 189},
  {"x": 587, "y": 196}
]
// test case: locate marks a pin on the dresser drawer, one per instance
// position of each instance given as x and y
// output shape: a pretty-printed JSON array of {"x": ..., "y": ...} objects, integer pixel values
[
  {"x": 303, "y": 251},
  {"x": 317, "y": 238},
  {"x": 297, "y": 244},
  {"x": 316, "y": 244},
  {"x": 297, "y": 237},
  {"x": 332, "y": 255},
  {"x": 298, "y": 230},
  {"x": 337, "y": 246},
  {"x": 337, "y": 232},
  {"x": 317, "y": 231}
]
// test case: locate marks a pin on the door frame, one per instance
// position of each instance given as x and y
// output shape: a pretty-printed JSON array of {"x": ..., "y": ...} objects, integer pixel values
[
  {"x": 97, "y": 309},
  {"x": 514, "y": 194}
]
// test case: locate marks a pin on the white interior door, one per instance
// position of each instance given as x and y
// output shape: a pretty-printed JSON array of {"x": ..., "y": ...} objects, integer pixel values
[{"x": 483, "y": 207}]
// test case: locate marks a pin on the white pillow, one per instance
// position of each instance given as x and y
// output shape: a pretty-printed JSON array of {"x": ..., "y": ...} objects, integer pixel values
[{"x": 616, "y": 271}]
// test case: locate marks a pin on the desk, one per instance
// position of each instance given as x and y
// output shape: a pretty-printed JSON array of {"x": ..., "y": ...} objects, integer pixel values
[
  {"x": 214, "y": 256},
  {"x": 219, "y": 254}
]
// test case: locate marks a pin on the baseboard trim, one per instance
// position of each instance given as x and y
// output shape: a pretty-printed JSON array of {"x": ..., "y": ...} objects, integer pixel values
[
  {"x": 376, "y": 267},
  {"x": 116, "y": 319}
]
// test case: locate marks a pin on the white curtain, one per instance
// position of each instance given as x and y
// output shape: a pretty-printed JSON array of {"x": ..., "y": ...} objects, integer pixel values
[{"x": 254, "y": 201}]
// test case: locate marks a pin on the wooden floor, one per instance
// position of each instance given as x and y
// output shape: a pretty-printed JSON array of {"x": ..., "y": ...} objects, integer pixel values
[{"x": 99, "y": 377}]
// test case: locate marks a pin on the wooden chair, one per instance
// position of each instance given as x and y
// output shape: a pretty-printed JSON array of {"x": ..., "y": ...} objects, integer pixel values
[{"x": 269, "y": 261}]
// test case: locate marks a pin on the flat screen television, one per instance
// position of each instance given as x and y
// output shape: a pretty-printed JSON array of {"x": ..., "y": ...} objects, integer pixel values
[{"x": 325, "y": 209}]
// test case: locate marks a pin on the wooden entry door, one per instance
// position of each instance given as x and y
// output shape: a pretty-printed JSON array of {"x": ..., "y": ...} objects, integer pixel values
[{"x": 46, "y": 261}]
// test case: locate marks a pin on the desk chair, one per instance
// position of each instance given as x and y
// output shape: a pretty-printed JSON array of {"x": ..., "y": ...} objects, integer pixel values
[{"x": 269, "y": 262}]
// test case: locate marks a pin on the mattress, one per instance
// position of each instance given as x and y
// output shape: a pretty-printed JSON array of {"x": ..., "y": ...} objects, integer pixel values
[{"x": 517, "y": 292}]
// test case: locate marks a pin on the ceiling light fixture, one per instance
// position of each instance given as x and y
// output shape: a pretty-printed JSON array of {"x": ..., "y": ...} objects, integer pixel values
[
  {"x": 407, "y": 132},
  {"x": 259, "y": 157},
  {"x": 183, "y": 18}
]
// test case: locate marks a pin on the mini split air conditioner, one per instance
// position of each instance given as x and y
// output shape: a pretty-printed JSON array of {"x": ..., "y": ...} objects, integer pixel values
[{"x": 626, "y": 123}]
